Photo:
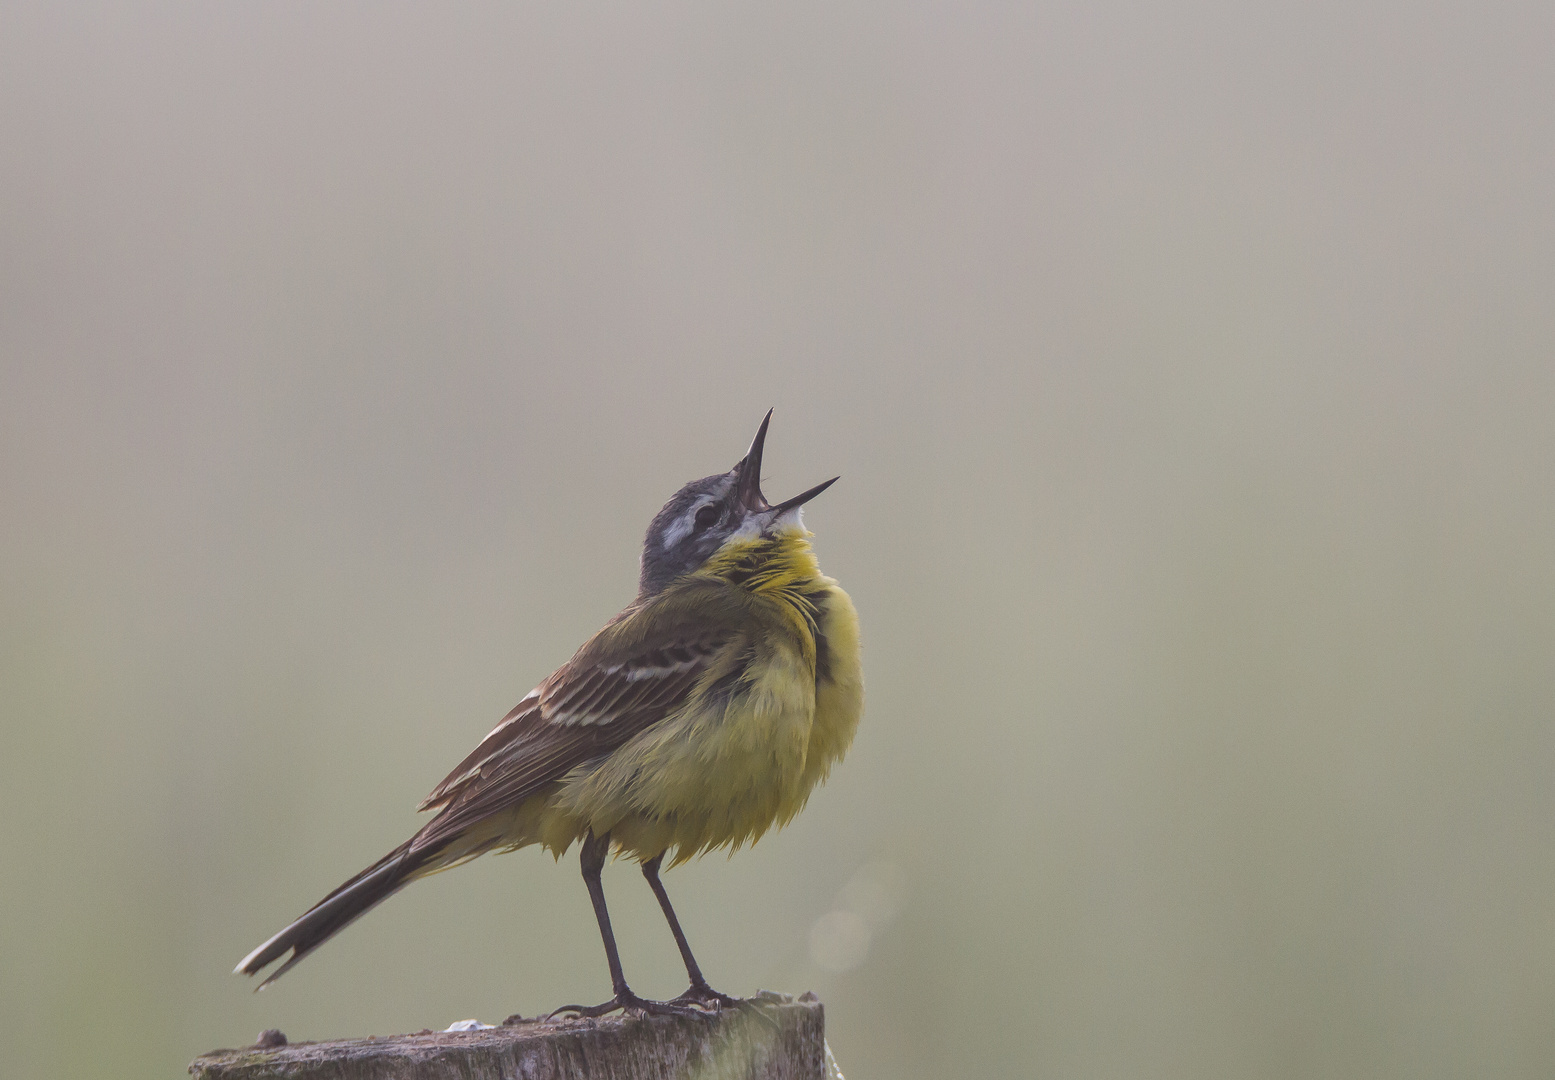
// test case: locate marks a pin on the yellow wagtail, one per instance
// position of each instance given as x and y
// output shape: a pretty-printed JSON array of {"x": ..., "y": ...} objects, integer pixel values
[{"x": 698, "y": 718}]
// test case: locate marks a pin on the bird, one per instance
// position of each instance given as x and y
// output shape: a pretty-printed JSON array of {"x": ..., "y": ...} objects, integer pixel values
[{"x": 699, "y": 718}]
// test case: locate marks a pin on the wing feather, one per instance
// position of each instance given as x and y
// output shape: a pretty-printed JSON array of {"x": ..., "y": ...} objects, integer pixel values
[
  {"x": 501, "y": 736},
  {"x": 633, "y": 674}
]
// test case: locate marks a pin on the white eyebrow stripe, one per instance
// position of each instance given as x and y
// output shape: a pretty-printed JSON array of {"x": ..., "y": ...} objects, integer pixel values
[{"x": 683, "y": 525}]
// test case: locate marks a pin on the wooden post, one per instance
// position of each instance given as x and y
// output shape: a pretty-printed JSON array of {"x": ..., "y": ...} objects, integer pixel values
[{"x": 775, "y": 1038}]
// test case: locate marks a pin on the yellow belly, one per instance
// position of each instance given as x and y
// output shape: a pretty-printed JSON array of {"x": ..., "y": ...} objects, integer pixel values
[{"x": 713, "y": 777}]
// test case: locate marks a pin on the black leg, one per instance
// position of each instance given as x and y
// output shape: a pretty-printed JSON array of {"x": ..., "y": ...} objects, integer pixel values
[
  {"x": 699, "y": 991},
  {"x": 592, "y": 862}
]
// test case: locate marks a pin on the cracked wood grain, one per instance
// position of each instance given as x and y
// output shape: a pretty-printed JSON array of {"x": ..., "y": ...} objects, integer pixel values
[{"x": 775, "y": 1039}]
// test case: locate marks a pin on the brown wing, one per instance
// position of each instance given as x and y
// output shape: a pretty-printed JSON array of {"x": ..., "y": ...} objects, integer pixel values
[
  {"x": 631, "y": 675},
  {"x": 503, "y": 735}
]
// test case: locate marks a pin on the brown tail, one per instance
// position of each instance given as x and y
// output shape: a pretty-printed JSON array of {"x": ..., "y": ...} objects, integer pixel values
[{"x": 336, "y": 911}]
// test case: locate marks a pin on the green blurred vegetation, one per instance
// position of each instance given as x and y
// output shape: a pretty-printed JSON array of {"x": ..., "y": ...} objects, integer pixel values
[{"x": 1189, "y": 374}]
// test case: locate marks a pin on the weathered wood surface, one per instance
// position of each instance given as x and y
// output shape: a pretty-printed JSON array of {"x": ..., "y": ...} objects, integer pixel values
[{"x": 775, "y": 1039}]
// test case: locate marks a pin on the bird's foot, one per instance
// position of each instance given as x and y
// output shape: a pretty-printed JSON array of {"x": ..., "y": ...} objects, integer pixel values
[
  {"x": 629, "y": 1003},
  {"x": 704, "y": 996},
  {"x": 699, "y": 993}
]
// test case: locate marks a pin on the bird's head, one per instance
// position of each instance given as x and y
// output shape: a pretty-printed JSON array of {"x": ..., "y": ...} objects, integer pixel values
[{"x": 708, "y": 513}]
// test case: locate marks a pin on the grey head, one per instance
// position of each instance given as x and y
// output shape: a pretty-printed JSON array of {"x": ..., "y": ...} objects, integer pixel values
[{"x": 705, "y": 514}]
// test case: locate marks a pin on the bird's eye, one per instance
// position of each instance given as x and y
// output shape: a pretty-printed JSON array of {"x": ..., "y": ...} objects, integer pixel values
[{"x": 706, "y": 516}]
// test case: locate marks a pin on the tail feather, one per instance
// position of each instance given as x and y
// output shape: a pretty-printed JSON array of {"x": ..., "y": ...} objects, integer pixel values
[{"x": 335, "y": 912}]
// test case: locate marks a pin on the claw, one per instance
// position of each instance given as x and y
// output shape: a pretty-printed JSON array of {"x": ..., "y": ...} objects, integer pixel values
[
  {"x": 631, "y": 1005},
  {"x": 711, "y": 1000},
  {"x": 705, "y": 996}
]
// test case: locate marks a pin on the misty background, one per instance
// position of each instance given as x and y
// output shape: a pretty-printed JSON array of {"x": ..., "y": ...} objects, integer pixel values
[{"x": 1189, "y": 372}]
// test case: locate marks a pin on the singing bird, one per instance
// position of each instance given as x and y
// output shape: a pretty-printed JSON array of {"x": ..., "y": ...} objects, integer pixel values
[{"x": 700, "y": 717}]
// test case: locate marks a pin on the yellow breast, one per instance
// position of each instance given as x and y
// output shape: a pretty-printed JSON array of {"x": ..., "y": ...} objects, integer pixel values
[{"x": 730, "y": 766}]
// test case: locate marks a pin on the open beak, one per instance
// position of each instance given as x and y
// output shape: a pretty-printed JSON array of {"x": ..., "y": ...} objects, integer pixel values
[{"x": 749, "y": 470}]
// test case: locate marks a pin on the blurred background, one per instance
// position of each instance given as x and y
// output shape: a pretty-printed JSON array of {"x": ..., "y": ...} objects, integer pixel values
[{"x": 1189, "y": 371}]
